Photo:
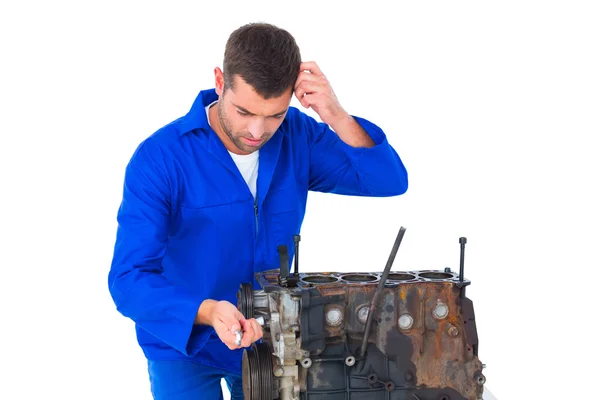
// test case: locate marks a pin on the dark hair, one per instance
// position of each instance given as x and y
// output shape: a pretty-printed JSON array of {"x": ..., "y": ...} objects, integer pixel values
[{"x": 264, "y": 56}]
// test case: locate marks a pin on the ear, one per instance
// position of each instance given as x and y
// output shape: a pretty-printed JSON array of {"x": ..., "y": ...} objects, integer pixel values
[{"x": 219, "y": 81}]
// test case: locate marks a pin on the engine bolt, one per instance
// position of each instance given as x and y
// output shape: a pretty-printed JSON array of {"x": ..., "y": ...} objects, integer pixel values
[
  {"x": 306, "y": 362},
  {"x": 363, "y": 314},
  {"x": 453, "y": 331},
  {"x": 334, "y": 317},
  {"x": 440, "y": 311},
  {"x": 405, "y": 321}
]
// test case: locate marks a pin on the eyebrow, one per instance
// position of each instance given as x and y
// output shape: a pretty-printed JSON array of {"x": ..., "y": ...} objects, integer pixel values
[{"x": 248, "y": 112}]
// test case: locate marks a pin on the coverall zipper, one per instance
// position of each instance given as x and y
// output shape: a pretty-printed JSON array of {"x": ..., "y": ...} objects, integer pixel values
[{"x": 256, "y": 216}]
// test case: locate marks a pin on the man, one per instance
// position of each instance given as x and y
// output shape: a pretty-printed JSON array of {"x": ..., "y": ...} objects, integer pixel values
[{"x": 209, "y": 197}]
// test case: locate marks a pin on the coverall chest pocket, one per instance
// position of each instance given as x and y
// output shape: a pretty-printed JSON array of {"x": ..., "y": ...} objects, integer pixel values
[{"x": 283, "y": 216}]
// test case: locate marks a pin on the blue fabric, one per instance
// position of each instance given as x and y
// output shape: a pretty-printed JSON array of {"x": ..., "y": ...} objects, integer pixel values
[
  {"x": 187, "y": 380},
  {"x": 189, "y": 228}
]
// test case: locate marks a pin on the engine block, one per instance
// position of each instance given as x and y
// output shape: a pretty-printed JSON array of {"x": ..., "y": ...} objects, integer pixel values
[{"x": 374, "y": 335}]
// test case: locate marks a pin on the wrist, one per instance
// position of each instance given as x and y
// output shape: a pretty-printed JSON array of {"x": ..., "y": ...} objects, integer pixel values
[
  {"x": 341, "y": 123},
  {"x": 205, "y": 312}
]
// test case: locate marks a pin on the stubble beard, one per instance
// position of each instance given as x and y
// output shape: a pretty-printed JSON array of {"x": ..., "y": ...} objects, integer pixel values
[{"x": 226, "y": 126}]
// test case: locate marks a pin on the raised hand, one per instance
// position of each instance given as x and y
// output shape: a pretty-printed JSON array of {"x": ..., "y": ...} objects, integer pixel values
[{"x": 313, "y": 90}]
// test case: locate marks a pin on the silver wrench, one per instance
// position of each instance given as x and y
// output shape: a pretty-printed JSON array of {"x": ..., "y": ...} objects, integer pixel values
[{"x": 239, "y": 334}]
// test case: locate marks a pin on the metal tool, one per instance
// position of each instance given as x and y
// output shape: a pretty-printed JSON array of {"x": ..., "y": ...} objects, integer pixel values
[{"x": 239, "y": 334}]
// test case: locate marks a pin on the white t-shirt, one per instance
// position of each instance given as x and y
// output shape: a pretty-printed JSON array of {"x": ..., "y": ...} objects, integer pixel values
[{"x": 246, "y": 163}]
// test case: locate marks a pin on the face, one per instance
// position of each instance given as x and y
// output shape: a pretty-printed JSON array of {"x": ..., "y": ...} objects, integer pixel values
[{"x": 247, "y": 120}]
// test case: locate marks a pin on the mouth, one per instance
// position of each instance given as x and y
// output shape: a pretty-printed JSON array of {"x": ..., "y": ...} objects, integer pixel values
[{"x": 252, "y": 142}]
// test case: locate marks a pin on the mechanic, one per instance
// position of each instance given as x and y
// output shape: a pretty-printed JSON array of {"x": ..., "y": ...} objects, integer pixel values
[{"x": 208, "y": 198}]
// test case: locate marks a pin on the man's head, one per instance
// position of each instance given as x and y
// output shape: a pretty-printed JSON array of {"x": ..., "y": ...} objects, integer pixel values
[{"x": 260, "y": 67}]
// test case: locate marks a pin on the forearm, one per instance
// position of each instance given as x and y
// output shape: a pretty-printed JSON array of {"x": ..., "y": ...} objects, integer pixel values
[
  {"x": 351, "y": 133},
  {"x": 355, "y": 160}
]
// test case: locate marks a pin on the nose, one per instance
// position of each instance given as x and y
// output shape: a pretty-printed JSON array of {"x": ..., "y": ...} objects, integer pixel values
[{"x": 256, "y": 128}]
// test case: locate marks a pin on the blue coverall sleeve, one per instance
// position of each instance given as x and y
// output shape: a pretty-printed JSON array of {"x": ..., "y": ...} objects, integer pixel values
[
  {"x": 136, "y": 283},
  {"x": 336, "y": 167}
]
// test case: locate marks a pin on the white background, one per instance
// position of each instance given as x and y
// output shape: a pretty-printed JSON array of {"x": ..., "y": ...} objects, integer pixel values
[{"x": 493, "y": 107}]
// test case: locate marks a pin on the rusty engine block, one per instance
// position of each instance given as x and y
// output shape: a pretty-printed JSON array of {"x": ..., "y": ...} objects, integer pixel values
[{"x": 353, "y": 336}]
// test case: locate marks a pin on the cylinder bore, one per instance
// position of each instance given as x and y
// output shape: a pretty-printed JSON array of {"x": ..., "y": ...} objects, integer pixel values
[
  {"x": 316, "y": 279},
  {"x": 398, "y": 277},
  {"x": 257, "y": 372},
  {"x": 436, "y": 275},
  {"x": 359, "y": 278}
]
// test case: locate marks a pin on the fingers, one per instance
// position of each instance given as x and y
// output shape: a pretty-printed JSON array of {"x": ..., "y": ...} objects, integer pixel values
[
  {"x": 309, "y": 100},
  {"x": 252, "y": 332},
  {"x": 226, "y": 334},
  {"x": 228, "y": 321},
  {"x": 307, "y": 77},
  {"x": 258, "y": 332},
  {"x": 250, "y": 329},
  {"x": 232, "y": 322},
  {"x": 312, "y": 89},
  {"x": 312, "y": 67},
  {"x": 248, "y": 337},
  {"x": 308, "y": 96},
  {"x": 310, "y": 72},
  {"x": 308, "y": 84}
]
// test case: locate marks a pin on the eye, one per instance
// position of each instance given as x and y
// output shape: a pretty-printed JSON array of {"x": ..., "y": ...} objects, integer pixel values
[
  {"x": 278, "y": 116},
  {"x": 243, "y": 114}
]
